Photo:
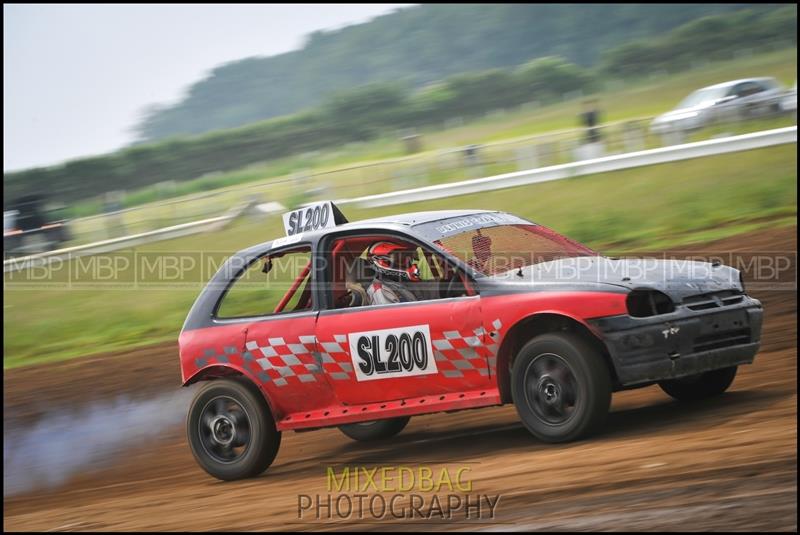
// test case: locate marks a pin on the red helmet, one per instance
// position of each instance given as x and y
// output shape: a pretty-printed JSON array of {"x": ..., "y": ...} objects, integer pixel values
[{"x": 383, "y": 255}]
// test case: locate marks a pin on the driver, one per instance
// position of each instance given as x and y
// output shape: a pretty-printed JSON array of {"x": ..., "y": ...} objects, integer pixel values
[{"x": 395, "y": 268}]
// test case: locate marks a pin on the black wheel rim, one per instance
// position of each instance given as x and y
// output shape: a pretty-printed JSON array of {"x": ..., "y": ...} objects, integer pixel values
[
  {"x": 551, "y": 389},
  {"x": 224, "y": 429}
]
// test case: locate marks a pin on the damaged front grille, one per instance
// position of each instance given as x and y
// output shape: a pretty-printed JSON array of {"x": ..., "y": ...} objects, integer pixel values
[
  {"x": 713, "y": 300},
  {"x": 721, "y": 340}
]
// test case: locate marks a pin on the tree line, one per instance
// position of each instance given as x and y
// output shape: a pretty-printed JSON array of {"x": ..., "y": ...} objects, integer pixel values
[
  {"x": 373, "y": 109},
  {"x": 417, "y": 45}
]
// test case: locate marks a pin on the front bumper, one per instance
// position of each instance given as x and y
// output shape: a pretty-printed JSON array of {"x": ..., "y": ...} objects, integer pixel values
[{"x": 683, "y": 342}]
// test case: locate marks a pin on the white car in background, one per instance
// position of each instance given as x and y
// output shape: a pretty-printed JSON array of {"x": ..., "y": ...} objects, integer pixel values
[{"x": 736, "y": 99}]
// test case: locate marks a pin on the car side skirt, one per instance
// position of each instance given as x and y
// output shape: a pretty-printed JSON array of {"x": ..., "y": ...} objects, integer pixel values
[{"x": 348, "y": 414}]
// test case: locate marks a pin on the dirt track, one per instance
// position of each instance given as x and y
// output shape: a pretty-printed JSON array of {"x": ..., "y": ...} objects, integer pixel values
[{"x": 728, "y": 463}]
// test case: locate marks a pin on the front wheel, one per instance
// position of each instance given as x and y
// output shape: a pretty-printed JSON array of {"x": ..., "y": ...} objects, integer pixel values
[
  {"x": 375, "y": 430},
  {"x": 231, "y": 430},
  {"x": 561, "y": 387},
  {"x": 700, "y": 386}
]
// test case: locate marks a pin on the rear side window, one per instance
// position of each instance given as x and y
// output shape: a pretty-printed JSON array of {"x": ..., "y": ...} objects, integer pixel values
[
  {"x": 746, "y": 89},
  {"x": 767, "y": 84},
  {"x": 268, "y": 282}
]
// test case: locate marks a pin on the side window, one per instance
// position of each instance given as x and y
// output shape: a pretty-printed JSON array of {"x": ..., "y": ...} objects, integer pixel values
[
  {"x": 758, "y": 87},
  {"x": 404, "y": 272},
  {"x": 429, "y": 266},
  {"x": 768, "y": 84},
  {"x": 749, "y": 88},
  {"x": 273, "y": 284}
]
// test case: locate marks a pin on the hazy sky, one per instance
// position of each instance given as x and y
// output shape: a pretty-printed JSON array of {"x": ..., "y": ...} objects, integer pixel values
[{"x": 77, "y": 77}]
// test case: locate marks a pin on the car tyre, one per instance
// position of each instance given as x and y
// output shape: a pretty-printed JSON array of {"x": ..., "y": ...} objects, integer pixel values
[
  {"x": 561, "y": 387},
  {"x": 231, "y": 430},
  {"x": 375, "y": 429},
  {"x": 701, "y": 385}
]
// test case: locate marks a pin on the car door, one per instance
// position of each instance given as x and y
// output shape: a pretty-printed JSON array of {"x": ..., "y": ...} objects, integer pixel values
[
  {"x": 272, "y": 302},
  {"x": 403, "y": 350}
]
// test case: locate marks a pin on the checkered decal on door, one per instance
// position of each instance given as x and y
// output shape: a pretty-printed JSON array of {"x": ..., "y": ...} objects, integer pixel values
[
  {"x": 280, "y": 362},
  {"x": 335, "y": 360},
  {"x": 460, "y": 352},
  {"x": 456, "y": 352}
]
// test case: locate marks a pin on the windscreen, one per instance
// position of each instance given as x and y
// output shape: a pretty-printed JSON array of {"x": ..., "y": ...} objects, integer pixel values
[{"x": 496, "y": 249}]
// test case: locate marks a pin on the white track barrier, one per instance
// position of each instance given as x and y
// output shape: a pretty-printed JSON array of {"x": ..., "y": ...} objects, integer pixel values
[
  {"x": 617, "y": 162},
  {"x": 124, "y": 242},
  {"x": 768, "y": 138}
]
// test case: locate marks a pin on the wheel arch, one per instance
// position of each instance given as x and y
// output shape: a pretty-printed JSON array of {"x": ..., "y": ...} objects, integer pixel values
[
  {"x": 537, "y": 324},
  {"x": 231, "y": 371}
]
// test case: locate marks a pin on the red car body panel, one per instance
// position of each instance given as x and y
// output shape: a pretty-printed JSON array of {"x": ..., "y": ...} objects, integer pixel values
[
  {"x": 303, "y": 364},
  {"x": 327, "y": 363}
]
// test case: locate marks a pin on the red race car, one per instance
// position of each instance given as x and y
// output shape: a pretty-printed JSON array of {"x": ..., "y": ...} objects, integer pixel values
[{"x": 363, "y": 325}]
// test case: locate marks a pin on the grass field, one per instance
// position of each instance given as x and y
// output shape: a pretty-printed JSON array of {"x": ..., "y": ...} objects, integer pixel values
[
  {"x": 272, "y": 180},
  {"x": 639, "y": 209}
]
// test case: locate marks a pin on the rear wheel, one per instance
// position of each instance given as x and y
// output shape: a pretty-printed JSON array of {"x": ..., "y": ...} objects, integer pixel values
[
  {"x": 231, "y": 431},
  {"x": 700, "y": 386},
  {"x": 375, "y": 430},
  {"x": 561, "y": 387}
]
